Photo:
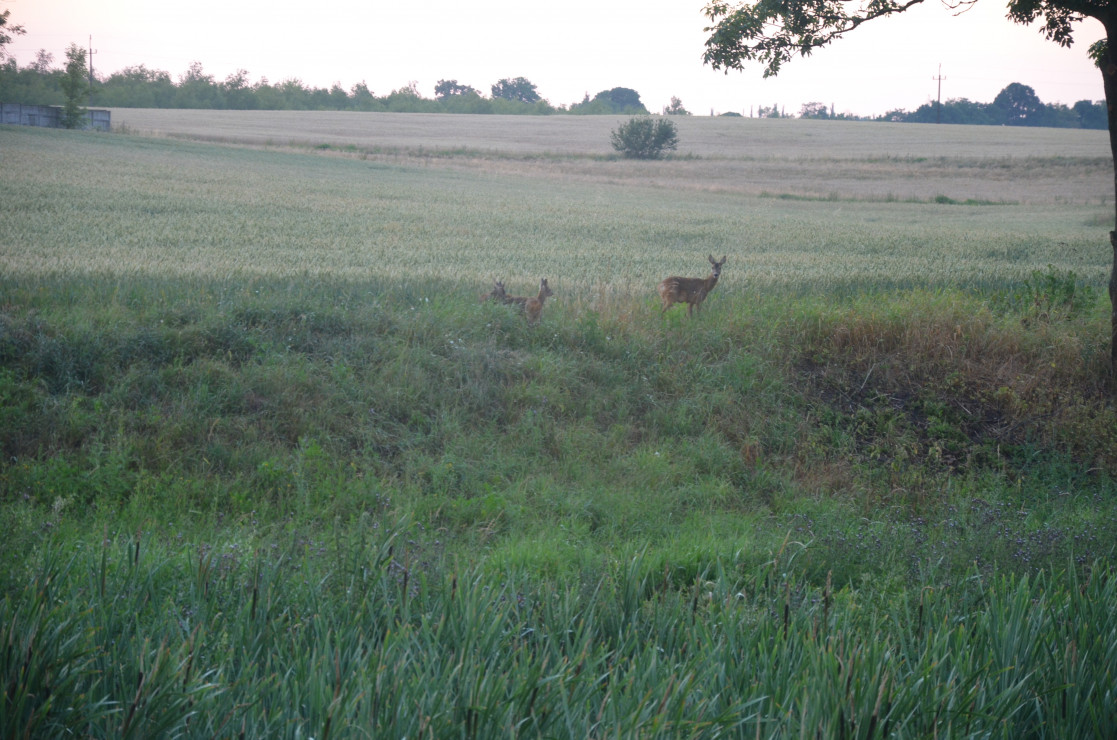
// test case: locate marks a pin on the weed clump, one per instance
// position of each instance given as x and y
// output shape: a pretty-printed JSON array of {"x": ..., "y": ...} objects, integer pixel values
[
  {"x": 1046, "y": 296},
  {"x": 923, "y": 391}
]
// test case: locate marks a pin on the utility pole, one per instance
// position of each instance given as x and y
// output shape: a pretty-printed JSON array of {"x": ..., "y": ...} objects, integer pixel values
[
  {"x": 91, "y": 53},
  {"x": 938, "y": 106}
]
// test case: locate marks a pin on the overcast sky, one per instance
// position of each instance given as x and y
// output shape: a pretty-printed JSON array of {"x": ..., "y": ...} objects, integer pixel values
[{"x": 567, "y": 49}]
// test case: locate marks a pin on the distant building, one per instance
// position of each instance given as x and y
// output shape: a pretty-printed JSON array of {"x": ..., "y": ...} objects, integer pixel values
[{"x": 50, "y": 116}]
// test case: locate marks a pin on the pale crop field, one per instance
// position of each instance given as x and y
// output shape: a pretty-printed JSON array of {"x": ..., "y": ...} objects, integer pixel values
[{"x": 464, "y": 200}]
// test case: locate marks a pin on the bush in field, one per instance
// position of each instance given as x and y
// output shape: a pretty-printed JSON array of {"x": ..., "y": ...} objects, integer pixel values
[
  {"x": 644, "y": 137},
  {"x": 1049, "y": 295}
]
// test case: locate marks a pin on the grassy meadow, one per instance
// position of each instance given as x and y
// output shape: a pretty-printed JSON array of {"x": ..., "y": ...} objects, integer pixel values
[{"x": 272, "y": 468}]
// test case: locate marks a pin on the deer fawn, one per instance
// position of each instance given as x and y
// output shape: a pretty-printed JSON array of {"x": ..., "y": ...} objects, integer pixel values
[
  {"x": 531, "y": 306},
  {"x": 691, "y": 291},
  {"x": 496, "y": 294}
]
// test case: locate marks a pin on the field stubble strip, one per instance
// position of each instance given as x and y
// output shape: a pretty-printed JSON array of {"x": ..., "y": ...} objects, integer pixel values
[{"x": 167, "y": 207}]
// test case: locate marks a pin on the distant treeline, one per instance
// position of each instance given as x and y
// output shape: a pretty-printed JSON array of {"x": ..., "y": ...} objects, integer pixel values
[
  {"x": 1016, "y": 105},
  {"x": 139, "y": 87}
]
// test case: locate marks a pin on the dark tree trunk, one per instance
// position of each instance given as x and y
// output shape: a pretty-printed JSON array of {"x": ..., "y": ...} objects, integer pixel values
[
  {"x": 1109, "y": 78},
  {"x": 1113, "y": 317}
]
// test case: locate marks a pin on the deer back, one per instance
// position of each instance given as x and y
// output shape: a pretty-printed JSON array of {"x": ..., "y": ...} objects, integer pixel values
[{"x": 681, "y": 289}]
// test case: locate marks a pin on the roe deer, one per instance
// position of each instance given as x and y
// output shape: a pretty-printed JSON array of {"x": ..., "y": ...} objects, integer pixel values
[
  {"x": 691, "y": 291},
  {"x": 496, "y": 294},
  {"x": 532, "y": 306}
]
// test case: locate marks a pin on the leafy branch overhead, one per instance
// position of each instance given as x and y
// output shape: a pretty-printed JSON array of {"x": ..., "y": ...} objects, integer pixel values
[
  {"x": 8, "y": 31},
  {"x": 772, "y": 32}
]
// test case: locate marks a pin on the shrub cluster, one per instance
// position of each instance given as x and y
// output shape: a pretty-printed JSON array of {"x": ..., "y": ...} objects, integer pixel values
[{"x": 644, "y": 137}]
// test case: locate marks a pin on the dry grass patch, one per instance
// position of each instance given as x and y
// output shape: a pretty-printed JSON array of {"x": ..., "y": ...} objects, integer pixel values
[{"x": 949, "y": 379}]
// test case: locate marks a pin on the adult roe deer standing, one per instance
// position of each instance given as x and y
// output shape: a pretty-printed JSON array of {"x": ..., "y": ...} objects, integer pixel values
[
  {"x": 691, "y": 291},
  {"x": 534, "y": 306},
  {"x": 531, "y": 306}
]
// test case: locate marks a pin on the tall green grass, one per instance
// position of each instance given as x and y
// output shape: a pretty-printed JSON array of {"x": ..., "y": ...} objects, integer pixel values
[{"x": 344, "y": 637}]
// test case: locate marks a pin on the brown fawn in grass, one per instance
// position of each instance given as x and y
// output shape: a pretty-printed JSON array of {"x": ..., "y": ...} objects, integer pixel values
[
  {"x": 691, "y": 291},
  {"x": 496, "y": 294},
  {"x": 532, "y": 306}
]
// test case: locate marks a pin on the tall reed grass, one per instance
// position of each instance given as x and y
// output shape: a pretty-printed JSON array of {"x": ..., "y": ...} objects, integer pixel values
[{"x": 341, "y": 639}]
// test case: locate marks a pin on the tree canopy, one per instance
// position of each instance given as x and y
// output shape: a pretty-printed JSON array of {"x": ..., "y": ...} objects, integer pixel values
[
  {"x": 675, "y": 108},
  {"x": 518, "y": 89},
  {"x": 621, "y": 100},
  {"x": 610, "y": 102},
  {"x": 1019, "y": 103},
  {"x": 772, "y": 32},
  {"x": 447, "y": 88}
]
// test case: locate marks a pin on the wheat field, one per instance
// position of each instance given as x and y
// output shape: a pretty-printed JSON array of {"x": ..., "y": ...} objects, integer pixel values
[{"x": 467, "y": 199}]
